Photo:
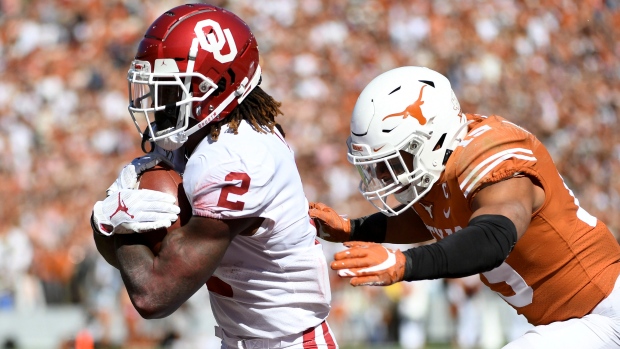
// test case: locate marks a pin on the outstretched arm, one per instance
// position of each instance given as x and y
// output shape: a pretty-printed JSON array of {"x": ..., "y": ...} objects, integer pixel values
[
  {"x": 406, "y": 228},
  {"x": 500, "y": 218},
  {"x": 158, "y": 285}
]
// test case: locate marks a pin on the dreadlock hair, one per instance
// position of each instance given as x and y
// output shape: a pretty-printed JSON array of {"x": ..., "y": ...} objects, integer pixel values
[{"x": 258, "y": 108}]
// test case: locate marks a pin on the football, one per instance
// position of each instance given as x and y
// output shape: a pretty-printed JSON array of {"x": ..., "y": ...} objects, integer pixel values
[{"x": 165, "y": 179}]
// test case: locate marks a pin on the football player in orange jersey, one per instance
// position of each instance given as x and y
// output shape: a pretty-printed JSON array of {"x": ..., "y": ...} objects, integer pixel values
[{"x": 490, "y": 195}]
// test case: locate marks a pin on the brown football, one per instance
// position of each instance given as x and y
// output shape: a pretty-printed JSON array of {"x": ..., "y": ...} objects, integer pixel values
[{"x": 165, "y": 179}]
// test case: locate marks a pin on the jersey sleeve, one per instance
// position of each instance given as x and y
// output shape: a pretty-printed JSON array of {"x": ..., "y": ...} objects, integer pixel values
[
  {"x": 226, "y": 185},
  {"x": 494, "y": 151}
]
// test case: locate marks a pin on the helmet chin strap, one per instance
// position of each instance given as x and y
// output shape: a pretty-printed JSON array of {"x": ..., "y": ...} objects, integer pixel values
[
  {"x": 173, "y": 142},
  {"x": 405, "y": 196},
  {"x": 145, "y": 139},
  {"x": 169, "y": 143}
]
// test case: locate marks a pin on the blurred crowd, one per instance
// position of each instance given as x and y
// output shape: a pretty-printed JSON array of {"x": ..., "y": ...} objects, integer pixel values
[{"x": 550, "y": 66}]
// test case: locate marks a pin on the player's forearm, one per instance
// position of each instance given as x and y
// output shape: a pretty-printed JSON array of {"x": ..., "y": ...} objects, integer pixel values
[
  {"x": 151, "y": 292},
  {"x": 159, "y": 285},
  {"x": 105, "y": 246},
  {"x": 480, "y": 247},
  {"x": 406, "y": 228}
]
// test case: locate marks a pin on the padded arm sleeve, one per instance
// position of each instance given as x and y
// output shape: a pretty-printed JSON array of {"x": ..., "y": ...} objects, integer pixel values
[
  {"x": 370, "y": 228},
  {"x": 482, "y": 246}
]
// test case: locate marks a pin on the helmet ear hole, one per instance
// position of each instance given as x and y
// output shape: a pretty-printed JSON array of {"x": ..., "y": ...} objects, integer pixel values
[
  {"x": 221, "y": 87},
  {"x": 231, "y": 73},
  {"x": 439, "y": 143}
]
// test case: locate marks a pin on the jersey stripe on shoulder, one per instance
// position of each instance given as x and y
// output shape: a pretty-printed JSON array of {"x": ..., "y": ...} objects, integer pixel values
[
  {"x": 515, "y": 125},
  {"x": 490, "y": 163}
]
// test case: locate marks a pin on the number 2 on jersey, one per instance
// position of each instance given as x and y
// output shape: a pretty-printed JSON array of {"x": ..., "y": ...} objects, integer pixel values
[{"x": 224, "y": 200}]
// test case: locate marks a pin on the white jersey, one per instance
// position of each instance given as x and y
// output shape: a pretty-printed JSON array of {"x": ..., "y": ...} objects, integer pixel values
[{"x": 274, "y": 283}]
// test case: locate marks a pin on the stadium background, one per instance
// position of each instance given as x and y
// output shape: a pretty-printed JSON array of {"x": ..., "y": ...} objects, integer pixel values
[{"x": 549, "y": 65}]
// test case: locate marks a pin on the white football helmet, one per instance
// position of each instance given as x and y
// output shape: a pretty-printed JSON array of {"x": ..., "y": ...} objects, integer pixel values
[{"x": 408, "y": 109}]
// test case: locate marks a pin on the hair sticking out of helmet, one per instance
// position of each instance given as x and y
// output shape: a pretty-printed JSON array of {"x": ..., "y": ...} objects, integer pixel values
[
  {"x": 195, "y": 61},
  {"x": 407, "y": 110}
]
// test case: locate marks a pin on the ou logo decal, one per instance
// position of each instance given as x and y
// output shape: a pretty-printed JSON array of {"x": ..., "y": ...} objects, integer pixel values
[{"x": 214, "y": 42}]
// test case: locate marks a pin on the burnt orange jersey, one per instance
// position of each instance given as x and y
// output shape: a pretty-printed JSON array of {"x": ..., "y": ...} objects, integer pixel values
[{"x": 566, "y": 262}]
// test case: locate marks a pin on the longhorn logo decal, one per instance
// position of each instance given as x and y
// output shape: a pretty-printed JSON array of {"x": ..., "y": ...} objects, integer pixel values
[
  {"x": 428, "y": 208},
  {"x": 414, "y": 110}
]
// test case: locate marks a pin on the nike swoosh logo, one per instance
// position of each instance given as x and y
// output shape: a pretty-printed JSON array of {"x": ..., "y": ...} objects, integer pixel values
[
  {"x": 389, "y": 262},
  {"x": 446, "y": 213},
  {"x": 377, "y": 149}
]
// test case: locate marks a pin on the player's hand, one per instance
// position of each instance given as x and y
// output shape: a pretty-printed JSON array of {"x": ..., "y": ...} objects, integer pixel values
[
  {"x": 134, "y": 211},
  {"x": 331, "y": 226},
  {"x": 369, "y": 263},
  {"x": 128, "y": 177}
]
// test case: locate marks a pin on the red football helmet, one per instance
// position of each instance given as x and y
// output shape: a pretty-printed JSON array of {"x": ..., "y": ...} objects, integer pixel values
[{"x": 195, "y": 60}]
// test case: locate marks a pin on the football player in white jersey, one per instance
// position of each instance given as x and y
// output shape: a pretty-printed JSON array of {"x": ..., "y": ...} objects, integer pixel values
[{"x": 194, "y": 95}]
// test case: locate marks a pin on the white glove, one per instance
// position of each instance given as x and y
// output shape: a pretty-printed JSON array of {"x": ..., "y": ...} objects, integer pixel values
[
  {"x": 129, "y": 211},
  {"x": 128, "y": 178}
]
